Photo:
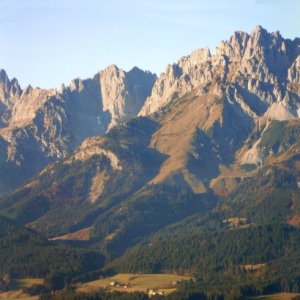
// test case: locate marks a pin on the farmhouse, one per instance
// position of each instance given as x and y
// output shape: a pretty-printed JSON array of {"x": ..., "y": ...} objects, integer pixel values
[
  {"x": 118, "y": 284},
  {"x": 154, "y": 293}
]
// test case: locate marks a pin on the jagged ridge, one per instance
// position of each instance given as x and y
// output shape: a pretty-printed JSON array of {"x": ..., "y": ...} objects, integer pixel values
[{"x": 41, "y": 126}]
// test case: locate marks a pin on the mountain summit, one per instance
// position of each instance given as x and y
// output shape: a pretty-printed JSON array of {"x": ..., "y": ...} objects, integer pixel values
[
  {"x": 40, "y": 126},
  {"x": 251, "y": 79},
  {"x": 262, "y": 63}
]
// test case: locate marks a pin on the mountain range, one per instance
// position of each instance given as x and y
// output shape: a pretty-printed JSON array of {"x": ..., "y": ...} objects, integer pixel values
[
  {"x": 41, "y": 126},
  {"x": 125, "y": 160}
]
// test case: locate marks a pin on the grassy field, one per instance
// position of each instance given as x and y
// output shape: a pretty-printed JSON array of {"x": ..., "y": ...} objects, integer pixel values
[
  {"x": 17, "y": 289},
  {"x": 80, "y": 235},
  {"x": 29, "y": 282},
  {"x": 281, "y": 296},
  {"x": 17, "y": 295},
  {"x": 165, "y": 283}
]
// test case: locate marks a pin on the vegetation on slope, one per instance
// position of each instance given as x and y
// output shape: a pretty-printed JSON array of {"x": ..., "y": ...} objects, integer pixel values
[{"x": 24, "y": 253}]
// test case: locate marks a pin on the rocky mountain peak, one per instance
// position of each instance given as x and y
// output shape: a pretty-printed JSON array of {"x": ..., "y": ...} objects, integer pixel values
[
  {"x": 3, "y": 76},
  {"x": 76, "y": 85},
  {"x": 251, "y": 71},
  {"x": 197, "y": 57},
  {"x": 294, "y": 71},
  {"x": 260, "y": 62},
  {"x": 10, "y": 91},
  {"x": 235, "y": 46},
  {"x": 30, "y": 102},
  {"x": 112, "y": 71},
  {"x": 137, "y": 70},
  {"x": 13, "y": 83},
  {"x": 27, "y": 90},
  {"x": 261, "y": 38},
  {"x": 38, "y": 126},
  {"x": 259, "y": 30},
  {"x": 111, "y": 68},
  {"x": 124, "y": 93}
]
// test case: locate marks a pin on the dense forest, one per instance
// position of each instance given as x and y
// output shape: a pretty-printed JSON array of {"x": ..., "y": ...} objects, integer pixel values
[
  {"x": 264, "y": 258},
  {"x": 243, "y": 247},
  {"x": 24, "y": 253}
]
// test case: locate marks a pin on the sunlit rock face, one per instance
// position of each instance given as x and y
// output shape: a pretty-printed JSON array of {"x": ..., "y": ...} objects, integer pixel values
[
  {"x": 209, "y": 123},
  {"x": 10, "y": 91},
  {"x": 262, "y": 64},
  {"x": 39, "y": 126},
  {"x": 251, "y": 80}
]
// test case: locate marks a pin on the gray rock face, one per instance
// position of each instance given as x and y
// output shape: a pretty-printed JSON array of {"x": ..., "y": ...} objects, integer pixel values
[
  {"x": 40, "y": 126},
  {"x": 294, "y": 71},
  {"x": 124, "y": 93},
  {"x": 215, "y": 123},
  {"x": 10, "y": 91},
  {"x": 261, "y": 65},
  {"x": 257, "y": 73}
]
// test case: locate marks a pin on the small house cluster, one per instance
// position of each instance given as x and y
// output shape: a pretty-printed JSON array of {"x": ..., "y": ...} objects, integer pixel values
[
  {"x": 154, "y": 293},
  {"x": 118, "y": 284}
]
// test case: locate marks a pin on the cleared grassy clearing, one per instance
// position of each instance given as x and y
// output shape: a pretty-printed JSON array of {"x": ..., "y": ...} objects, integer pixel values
[
  {"x": 80, "y": 235},
  {"x": 280, "y": 296},
  {"x": 165, "y": 283},
  {"x": 29, "y": 282},
  {"x": 19, "y": 294},
  {"x": 17, "y": 290}
]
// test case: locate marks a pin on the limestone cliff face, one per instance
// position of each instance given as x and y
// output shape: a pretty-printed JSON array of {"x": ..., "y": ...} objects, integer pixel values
[
  {"x": 216, "y": 120},
  {"x": 10, "y": 91},
  {"x": 261, "y": 65},
  {"x": 294, "y": 71},
  {"x": 251, "y": 80},
  {"x": 30, "y": 101},
  {"x": 178, "y": 79},
  {"x": 40, "y": 126},
  {"x": 124, "y": 93}
]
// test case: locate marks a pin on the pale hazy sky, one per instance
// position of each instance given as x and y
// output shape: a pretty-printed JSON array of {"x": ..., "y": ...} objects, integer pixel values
[{"x": 49, "y": 42}]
